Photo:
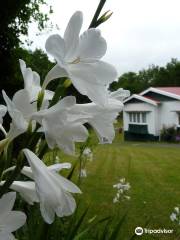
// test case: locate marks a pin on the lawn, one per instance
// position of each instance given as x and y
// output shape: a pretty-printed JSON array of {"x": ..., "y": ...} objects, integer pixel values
[{"x": 153, "y": 171}]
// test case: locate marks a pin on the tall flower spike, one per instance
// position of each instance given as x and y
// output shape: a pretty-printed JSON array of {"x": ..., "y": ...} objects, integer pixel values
[
  {"x": 53, "y": 190},
  {"x": 79, "y": 59},
  {"x": 10, "y": 220}
]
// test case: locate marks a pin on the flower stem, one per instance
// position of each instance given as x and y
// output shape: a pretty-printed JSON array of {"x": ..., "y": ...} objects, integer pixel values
[{"x": 96, "y": 15}]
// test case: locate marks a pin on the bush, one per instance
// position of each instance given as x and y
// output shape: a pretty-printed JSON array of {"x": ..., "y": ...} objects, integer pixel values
[{"x": 170, "y": 134}]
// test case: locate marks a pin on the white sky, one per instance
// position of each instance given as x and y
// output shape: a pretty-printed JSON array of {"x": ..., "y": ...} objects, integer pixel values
[{"x": 138, "y": 34}]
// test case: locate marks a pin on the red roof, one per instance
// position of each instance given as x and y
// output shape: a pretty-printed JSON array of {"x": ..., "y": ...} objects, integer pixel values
[{"x": 174, "y": 90}]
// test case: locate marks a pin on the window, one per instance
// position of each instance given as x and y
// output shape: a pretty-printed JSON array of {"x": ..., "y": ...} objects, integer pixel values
[
  {"x": 138, "y": 117},
  {"x": 143, "y": 117},
  {"x": 179, "y": 118},
  {"x": 130, "y": 117}
]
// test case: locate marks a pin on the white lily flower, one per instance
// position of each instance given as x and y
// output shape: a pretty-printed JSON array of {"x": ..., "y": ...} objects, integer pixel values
[
  {"x": 102, "y": 117},
  {"x": 62, "y": 128},
  {"x": 32, "y": 83},
  {"x": 79, "y": 59},
  {"x": 53, "y": 190},
  {"x": 10, "y": 220},
  {"x": 20, "y": 109},
  {"x": 27, "y": 189}
]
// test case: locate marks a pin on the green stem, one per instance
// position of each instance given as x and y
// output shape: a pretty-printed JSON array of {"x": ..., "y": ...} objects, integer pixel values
[
  {"x": 96, "y": 15},
  {"x": 13, "y": 175}
]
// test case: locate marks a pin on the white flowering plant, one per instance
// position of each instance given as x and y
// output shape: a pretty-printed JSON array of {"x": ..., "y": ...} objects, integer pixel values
[{"x": 42, "y": 120}]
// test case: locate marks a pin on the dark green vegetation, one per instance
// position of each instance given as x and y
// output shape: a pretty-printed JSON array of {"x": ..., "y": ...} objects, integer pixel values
[
  {"x": 15, "y": 17},
  {"x": 155, "y": 76}
]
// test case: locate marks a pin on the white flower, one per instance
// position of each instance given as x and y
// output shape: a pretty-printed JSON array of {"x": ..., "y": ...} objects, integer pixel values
[
  {"x": 32, "y": 83},
  {"x": 10, "y": 220},
  {"x": 79, "y": 59},
  {"x": 176, "y": 209},
  {"x": 27, "y": 189},
  {"x": 88, "y": 154},
  {"x": 122, "y": 187},
  {"x": 3, "y": 110},
  {"x": 20, "y": 109},
  {"x": 52, "y": 189},
  {"x": 83, "y": 173},
  {"x": 62, "y": 128},
  {"x": 173, "y": 217},
  {"x": 102, "y": 118}
]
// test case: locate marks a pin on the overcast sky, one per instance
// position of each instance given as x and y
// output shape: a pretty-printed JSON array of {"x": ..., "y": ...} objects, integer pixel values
[{"x": 139, "y": 33}]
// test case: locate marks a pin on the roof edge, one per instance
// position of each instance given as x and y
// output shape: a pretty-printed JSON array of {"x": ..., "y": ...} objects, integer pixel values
[
  {"x": 155, "y": 90},
  {"x": 141, "y": 98}
]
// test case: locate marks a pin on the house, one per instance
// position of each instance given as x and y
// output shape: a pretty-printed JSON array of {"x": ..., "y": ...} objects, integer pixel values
[{"x": 145, "y": 114}]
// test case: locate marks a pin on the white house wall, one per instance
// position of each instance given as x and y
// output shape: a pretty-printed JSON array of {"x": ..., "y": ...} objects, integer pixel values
[
  {"x": 167, "y": 115},
  {"x": 142, "y": 107}
]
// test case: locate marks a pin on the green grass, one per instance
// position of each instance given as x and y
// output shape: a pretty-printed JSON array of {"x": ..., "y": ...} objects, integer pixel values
[{"x": 154, "y": 174}]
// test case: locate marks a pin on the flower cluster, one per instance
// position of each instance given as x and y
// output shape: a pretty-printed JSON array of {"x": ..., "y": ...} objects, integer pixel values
[
  {"x": 122, "y": 187},
  {"x": 175, "y": 215},
  {"x": 60, "y": 125}
]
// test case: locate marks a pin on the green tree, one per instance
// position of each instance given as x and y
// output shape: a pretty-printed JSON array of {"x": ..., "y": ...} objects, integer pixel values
[{"x": 14, "y": 19}]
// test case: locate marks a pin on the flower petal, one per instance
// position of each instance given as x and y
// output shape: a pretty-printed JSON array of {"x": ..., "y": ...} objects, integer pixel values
[
  {"x": 27, "y": 191},
  {"x": 47, "y": 212},
  {"x": 71, "y": 35},
  {"x": 66, "y": 184},
  {"x": 120, "y": 94},
  {"x": 92, "y": 46},
  {"x": 59, "y": 166},
  {"x": 56, "y": 47},
  {"x": 55, "y": 72},
  {"x": 6, "y": 236},
  {"x": 7, "y": 202},
  {"x": 13, "y": 220},
  {"x": 69, "y": 206},
  {"x": 3, "y": 110},
  {"x": 91, "y": 79},
  {"x": 22, "y": 103}
]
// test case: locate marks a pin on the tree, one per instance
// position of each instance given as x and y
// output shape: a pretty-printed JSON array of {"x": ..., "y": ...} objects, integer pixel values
[{"x": 14, "y": 19}]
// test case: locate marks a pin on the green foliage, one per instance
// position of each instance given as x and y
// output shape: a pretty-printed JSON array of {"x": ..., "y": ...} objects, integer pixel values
[
  {"x": 14, "y": 19},
  {"x": 170, "y": 134},
  {"x": 153, "y": 76}
]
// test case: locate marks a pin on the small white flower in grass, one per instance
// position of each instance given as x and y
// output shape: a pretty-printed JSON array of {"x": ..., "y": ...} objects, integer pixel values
[
  {"x": 32, "y": 83},
  {"x": 88, "y": 154},
  {"x": 61, "y": 128},
  {"x": 10, "y": 220},
  {"x": 79, "y": 59},
  {"x": 122, "y": 188},
  {"x": 53, "y": 190},
  {"x": 57, "y": 159},
  {"x": 83, "y": 173},
  {"x": 175, "y": 215}
]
